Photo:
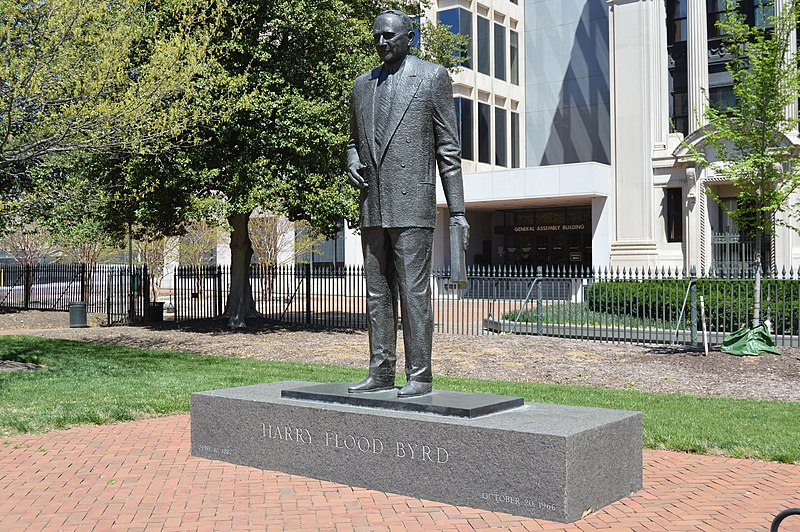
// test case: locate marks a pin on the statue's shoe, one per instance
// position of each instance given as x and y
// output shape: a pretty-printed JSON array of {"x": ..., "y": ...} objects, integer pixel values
[
  {"x": 415, "y": 389},
  {"x": 372, "y": 384}
]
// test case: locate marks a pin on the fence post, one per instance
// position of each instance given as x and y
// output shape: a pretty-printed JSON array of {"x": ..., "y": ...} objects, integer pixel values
[
  {"x": 27, "y": 280},
  {"x": 83, "y": 283},
  {"x": 218, "y": 292},
  {"x": 307, "y": 268},
  {"x": 145, "y": 286},
  {"x": 693, "y": 304},
  {"x": 175, "y": 298},
  {"x": 539, "y": 307}
]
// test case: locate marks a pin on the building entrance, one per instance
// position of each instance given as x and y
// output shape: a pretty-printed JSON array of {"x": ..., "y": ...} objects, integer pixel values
[{"x": 555, "y": 236}]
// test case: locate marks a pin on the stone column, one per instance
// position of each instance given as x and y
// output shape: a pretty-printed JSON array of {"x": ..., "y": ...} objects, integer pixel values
[
  {"x": 633, "y": 76},
  {"x": 780, "y": 6},
  {"x": 697, "y": 61}
]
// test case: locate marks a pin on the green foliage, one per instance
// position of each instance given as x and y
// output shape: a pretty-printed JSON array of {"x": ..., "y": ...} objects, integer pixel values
[
  {"x": 92, "y": 383},
  {"x": 729, "y": 303},
  {"x": 748, "y": 139},
  {"x": 562, "y": 313},
  {"x": 97, "y": 75},
  {"x": 650, "y": 299},
  {"x": 439, "y": 45}
]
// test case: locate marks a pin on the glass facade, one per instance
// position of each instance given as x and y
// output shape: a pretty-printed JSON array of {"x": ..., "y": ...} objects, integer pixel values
[
  {"x": 464, "y": 118},
  {"x": 499, "y": 51},
  {"x": 553, "y": 236},
  {"x": 460, "y": 22},
  {"x": 484, "y": 47},
  {"x": 484, "y": 133},
  {"x": 500, "y": 136}
]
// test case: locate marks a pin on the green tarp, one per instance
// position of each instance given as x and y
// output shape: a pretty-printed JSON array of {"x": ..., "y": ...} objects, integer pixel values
[{"x": 747, "y": 341}]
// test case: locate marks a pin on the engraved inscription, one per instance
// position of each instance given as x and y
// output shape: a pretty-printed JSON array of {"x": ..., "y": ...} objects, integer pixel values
[
  {"x": 283, "y": 432},
  {"x": 517, "y": 501},
  {"x": 425, "y": 453},
  {"x": 403, "y": 450},
  {"x": 353, "y": 443},
  {"x": 215, "y": 450}
]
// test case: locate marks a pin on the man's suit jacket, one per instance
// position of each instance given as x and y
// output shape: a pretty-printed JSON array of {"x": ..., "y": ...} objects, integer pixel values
[{"x": 421, "y": 131}]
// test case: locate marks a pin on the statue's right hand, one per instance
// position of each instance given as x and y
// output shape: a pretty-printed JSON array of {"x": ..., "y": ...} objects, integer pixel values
[{"x": 355, "y": 176}]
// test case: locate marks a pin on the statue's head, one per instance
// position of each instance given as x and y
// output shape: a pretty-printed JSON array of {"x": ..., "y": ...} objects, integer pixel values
[{"x": 393, "y": 35}]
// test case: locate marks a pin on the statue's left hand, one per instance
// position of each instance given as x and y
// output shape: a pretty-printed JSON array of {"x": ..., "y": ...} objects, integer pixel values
[{"x": 461, "y": 220}]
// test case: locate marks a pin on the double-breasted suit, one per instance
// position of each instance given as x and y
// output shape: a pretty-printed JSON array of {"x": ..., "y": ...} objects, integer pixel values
[{"x": 398, "y": 206}]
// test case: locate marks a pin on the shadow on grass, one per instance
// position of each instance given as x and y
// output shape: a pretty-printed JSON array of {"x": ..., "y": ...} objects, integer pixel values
[
  {"x": 21, "y": 355},
  {"x": 254, "y": 326}
]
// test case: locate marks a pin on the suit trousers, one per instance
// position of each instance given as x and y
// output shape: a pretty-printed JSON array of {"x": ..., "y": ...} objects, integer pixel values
[{"x": 398, "y": 261}]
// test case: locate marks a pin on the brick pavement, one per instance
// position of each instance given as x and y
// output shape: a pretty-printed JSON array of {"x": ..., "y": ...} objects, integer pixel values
[{"x": 139, "y": 476}]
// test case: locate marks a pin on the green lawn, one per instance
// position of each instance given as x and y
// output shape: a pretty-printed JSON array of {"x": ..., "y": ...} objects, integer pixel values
[{"x": 91, "y": 383}]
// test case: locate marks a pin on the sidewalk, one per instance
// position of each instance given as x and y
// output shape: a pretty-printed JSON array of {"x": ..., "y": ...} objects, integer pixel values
[{"x": 139, "y": 476}]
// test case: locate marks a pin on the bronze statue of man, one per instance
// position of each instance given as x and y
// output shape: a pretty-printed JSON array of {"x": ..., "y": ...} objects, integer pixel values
[{"x": 402, "y": 124}]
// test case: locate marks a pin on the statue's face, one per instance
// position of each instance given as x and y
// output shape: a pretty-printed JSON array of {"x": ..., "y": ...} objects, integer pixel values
[{"x": 391, "y": 42}]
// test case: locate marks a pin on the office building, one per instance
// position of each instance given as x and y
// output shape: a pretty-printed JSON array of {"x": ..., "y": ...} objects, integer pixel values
[{"x": 572, "y": 115}]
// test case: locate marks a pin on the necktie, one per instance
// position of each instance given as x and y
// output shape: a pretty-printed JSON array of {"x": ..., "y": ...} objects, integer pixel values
[{"x": 383, "y": 108}]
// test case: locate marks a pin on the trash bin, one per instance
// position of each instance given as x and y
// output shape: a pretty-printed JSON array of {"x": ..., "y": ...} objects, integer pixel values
[
  {"x": 154, "y": 312},
  {"x": 77, "y": 314}
]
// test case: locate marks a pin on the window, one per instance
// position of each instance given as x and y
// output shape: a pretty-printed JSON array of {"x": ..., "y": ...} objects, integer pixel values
[
  {"x": 676, "y": 21},
  {"x": 460, "y": 22},
  {"x": 763, "y": 13},
  {"x": 483, "y": 46},
  {"x": 415, "y": 21},
  {"x": 514, "y": 140},
  {"x": 325, "y": 254},
  {"x": 722, "y": 98},
  {"x": 726, "y": 224},
  {"x": 464, "y": 119},
  {"x": 500, "y": 137},
  {"x": 674, "y": 216},
  {"x": 484, "y": 132},
  {"x": 679, "y": 112},
  {"x": 716, "y": 11},
  {"x": 499, "y": 51},
  {"x": 513, "y": 55}
]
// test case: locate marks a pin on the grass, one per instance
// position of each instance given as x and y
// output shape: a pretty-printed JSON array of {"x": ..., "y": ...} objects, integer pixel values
[
  {"x": 92, "y": 383},
  {"x": 581, "y": 314}
]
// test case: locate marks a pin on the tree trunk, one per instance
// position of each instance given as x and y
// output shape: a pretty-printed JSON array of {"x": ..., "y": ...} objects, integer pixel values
[
  {"x": 757, "y": 285},
  {"x": 241, "y": 304}
]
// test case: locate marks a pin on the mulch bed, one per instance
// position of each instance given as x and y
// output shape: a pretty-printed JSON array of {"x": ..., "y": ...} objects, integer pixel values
[{"x": 533, "y": 359}]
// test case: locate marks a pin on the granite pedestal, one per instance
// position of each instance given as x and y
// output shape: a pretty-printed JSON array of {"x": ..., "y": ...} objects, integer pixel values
[{"x": 537, "y": 460}]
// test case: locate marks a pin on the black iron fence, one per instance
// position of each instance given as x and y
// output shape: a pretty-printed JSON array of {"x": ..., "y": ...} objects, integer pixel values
[
  {"x": 617, "y": 305},
  {"x": 628, "y": 305},
  {"x": 117, "y": 291}
]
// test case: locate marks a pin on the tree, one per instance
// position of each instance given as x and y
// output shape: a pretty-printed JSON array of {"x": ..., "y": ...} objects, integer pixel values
[
  {"x": 198, "y": 243},
  {"x": 748, "y": 144},
  {"x": 281, "y": 149},
  {"x": 153, "y": 253},
  {"x": 92, "y": 75},
  {"x": 27, "y": 244},
  {"x": 274, "y": 238},
  {"x": 747, "y": 141}
]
